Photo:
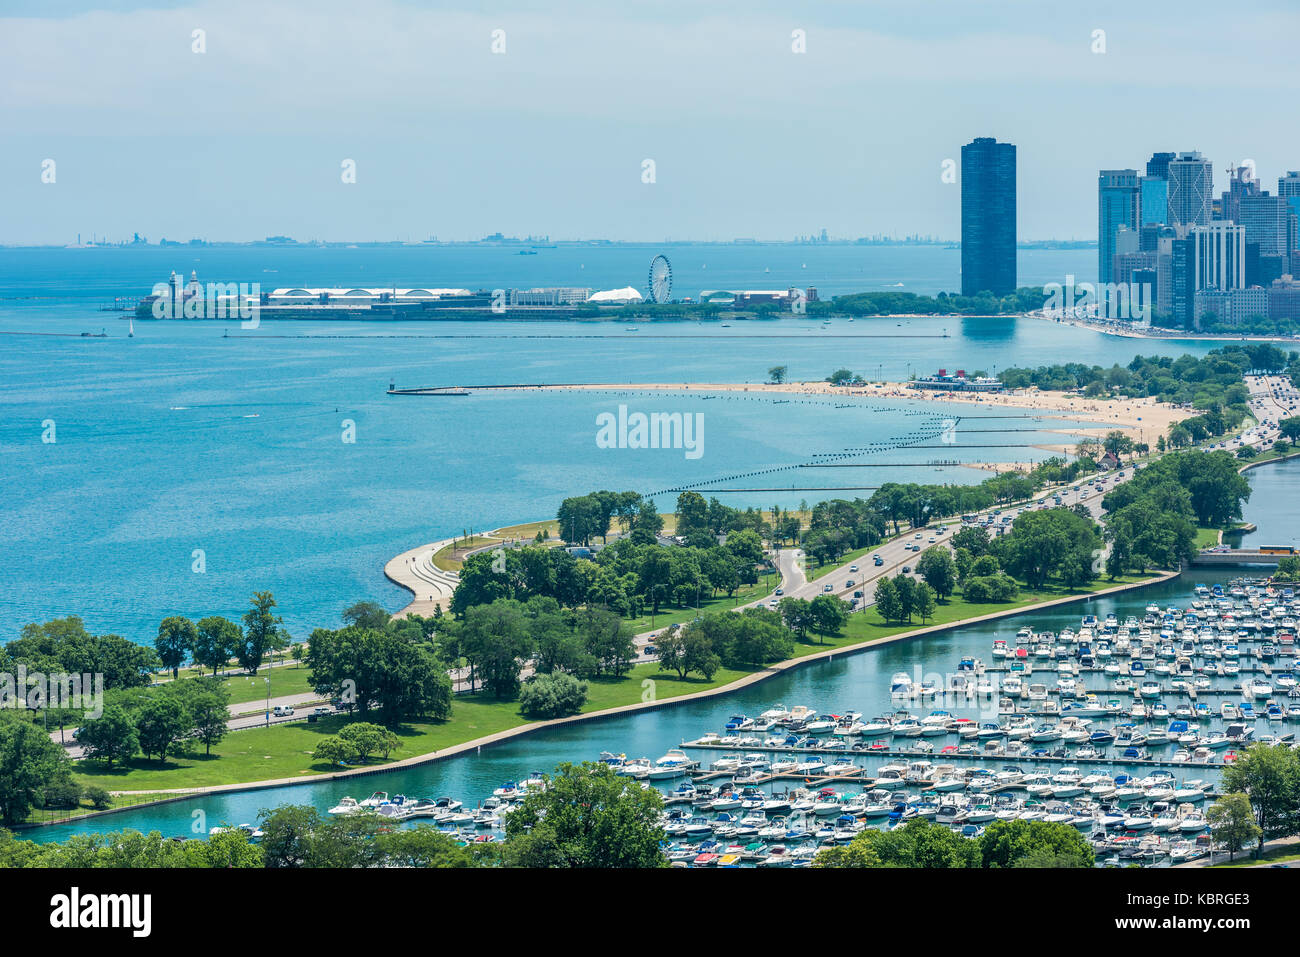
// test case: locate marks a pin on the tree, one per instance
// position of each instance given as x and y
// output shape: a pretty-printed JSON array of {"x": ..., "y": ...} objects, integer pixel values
[
  {"x": 367, "y": 614},
  {"x": 923, "y": 602},
  {"x": 888, "y": 602},
  {"x": 368, "y": 739},
  {"x": 777, "y": 374},
  {"x": 1232, "y": 822},
  {"x": 937, "y": 567},
  {"x": 684, "y": 650},
  {"x": 587, "y": 816},
  {"x": 1033, "y": 843},
  {"x": 829, "y": 615},
  {"x": 209, "y": 714},
  {"x": 29, "y": 761},
  {"x": 496, "y": 641},
  {"x": 918, "y": 843},
  {"x": 216, "y": 639},
  {"x": 388, "y": 670},
  {"x": 797, "y": 615},
  {"x": 552, "y": 696},
  {"x": 110, "y": 737},
  {"x": 1290, "y": 427},
  {"x": 263, "y": 632},
  {"x": 161, "y": 722},
  {"x": 1269, "y": 775},
  {"x": 176, "y": 637},
  {"x": 336, "y": 751}
]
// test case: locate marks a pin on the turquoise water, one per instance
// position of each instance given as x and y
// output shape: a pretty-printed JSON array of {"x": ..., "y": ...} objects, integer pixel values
[
  {"x": 182, "y": 441},
  {"x": 1274, "y": 506}
]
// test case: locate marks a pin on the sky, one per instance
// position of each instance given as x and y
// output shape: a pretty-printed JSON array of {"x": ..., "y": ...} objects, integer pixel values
[{"x": 550, "y": 133}]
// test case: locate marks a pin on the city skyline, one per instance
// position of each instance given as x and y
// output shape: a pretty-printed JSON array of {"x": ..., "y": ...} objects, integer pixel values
[{"x": 150, "y": 136}]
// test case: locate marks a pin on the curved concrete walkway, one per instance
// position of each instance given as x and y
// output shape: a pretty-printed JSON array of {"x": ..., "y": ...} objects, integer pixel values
[{"x": 415, "y": 571}]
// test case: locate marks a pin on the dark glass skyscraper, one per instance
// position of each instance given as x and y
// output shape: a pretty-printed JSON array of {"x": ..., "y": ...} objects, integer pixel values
[{"x": 988, "y": 217}]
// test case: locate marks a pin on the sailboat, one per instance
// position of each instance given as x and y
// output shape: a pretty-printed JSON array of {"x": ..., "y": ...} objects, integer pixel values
[{"x": 130, "y": 328}]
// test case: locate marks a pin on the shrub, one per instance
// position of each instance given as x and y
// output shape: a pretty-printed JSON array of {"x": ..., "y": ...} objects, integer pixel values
[{"x": 552, "y": 696}]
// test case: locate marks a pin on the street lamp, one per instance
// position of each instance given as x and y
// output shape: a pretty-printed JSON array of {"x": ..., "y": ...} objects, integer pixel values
[{"x": 268, "y": 701}]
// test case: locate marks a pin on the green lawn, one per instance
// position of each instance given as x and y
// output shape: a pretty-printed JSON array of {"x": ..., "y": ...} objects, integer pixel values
[
  {"x": 672, "y": 616},
  {"x": 1206, "y": 537},
  {"x": 285, "y": 680},
  {"x": 869, "y": 626},
  {"x": 1287, "y": 852},
  {"x": 284, "y": 750},
  {"x": 450, "y": 557}
]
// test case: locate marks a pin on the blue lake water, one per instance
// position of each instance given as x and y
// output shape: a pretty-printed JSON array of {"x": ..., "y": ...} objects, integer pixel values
[{"x": 182, "y": 439}]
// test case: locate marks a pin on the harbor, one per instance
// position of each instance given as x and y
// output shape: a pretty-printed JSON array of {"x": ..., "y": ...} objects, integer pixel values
[{"x": 1128, "y": 750}]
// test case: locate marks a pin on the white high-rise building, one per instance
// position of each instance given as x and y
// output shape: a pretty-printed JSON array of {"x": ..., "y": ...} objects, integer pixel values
[
  {"x": 1191, "y": 189},
  {"x": 1218, "y": 256}
]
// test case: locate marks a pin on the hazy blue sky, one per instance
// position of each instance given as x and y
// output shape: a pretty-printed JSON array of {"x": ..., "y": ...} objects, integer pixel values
[{"x": 748, "y": 137}]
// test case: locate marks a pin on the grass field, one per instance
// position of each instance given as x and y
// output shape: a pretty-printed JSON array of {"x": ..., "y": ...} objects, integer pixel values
[
  {"x": 673, "y": 616},
  {"x": 284, "y": 750},
  {"x": 449, "y": 559}
]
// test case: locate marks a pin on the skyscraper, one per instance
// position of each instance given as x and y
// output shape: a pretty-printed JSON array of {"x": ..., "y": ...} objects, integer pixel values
[
  {"x": 988, "y": 217},
  {"x": 1265, "y": 218},
  {"x": 1218, "y": 256},
  {"x": 1154, "y": 203},
  {"x": 1241, "y": 186},
  {"x": 1191, "y": 185},
  {"x": 1158, "y": 165},
  {"x": 1288, "y": 187},
  {"x": 1117, "y": 205}
]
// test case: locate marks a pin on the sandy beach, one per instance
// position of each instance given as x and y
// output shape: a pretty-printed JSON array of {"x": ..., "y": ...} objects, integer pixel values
[{"x": 1144, "y": 418}]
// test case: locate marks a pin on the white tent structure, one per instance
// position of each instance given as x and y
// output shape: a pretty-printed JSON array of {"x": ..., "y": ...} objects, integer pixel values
[{"x": 615, "y": 296}]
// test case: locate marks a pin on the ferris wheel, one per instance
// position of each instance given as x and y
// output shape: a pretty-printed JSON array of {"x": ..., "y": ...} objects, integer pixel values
[{"x": 660, "y": 281}]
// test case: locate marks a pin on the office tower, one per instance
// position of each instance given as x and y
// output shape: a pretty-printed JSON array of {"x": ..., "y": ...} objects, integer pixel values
[
  {"x": 1266, "y": 220},
  {"x": 1165, "y": 270},
  {"x": 1145, "y": 282},
  {"x": 1191, "y": 185},
  {"x": 988, "y": 217},
  {"x": 1182, "y": 291},
  {"x": 1158, "y": 165},
  {"x": 1241, "y": 185},
  {"x": 1117, "y": 206},
  {"x": 1219, "y": 256},
  {"x": 1288, "y": 187},
  {"x": 1153, "y": 200}
]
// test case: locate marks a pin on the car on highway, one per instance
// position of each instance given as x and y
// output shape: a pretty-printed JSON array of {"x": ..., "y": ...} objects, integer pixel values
[
  {"x": 828, "y": 588},
  {"x": 282, "y": 711},
  {"x": 907, "y": 569},
  {"x": 849, "y": 583},
  {"x": 322, "y": 710},
  {"x": 853, "y": 568},
  {"x": 879, "y": 561},
  {"x": 779, "y": 592}
]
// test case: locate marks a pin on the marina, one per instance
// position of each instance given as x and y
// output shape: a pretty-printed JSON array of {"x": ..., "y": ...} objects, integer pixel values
[{"x": 1123, "y": 751}]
